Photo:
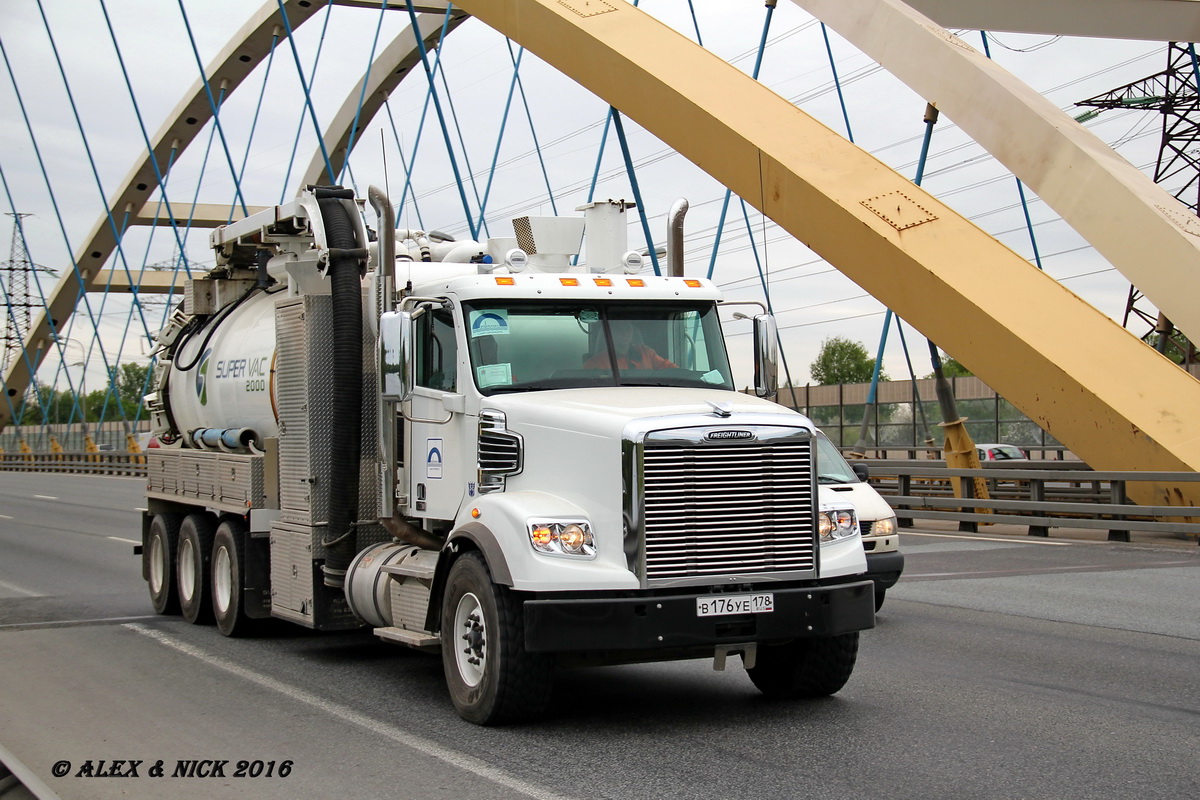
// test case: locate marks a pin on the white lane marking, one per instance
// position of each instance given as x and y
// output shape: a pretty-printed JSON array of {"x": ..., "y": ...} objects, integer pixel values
[
  {"x": 12, "y": 587},
  {"x": 5, "y": 516},
  {"x": 139, "y": 508},
  {"x": 44, "y": 497},
  {"x": 455, "y": 759},
  {"x": 65, "y": 623},
  {"x": 1009, "y": 540},
  {"x": 119, "y": 539}
]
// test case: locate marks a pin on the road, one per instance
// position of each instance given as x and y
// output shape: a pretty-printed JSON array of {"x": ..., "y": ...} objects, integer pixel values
[{"x": 1000, "y": 667}]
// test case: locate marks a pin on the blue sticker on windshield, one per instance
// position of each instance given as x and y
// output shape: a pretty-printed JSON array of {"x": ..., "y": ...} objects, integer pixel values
[{"x": 489, "y": 323}]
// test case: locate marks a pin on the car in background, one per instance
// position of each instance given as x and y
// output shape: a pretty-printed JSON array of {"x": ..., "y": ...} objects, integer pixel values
[
  {"x": 836, "y": 479},
  {"x": 1000, "y": 452}
]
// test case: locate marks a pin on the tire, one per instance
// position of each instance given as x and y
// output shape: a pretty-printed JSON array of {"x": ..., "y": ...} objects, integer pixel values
[
  {"x": 805, "y": 668},
  {"x": 879, "y": 594},
  {"x": 492, "y": 680},
  {"x": 160, "y": 562},
  {"x": 229, "y": 578},
  {"x": 192, "y": 567}
]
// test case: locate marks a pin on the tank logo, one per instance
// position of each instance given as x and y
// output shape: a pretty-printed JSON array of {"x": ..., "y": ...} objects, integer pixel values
[
  {"x": 202, "y": 378},
  {"x": 714, "y": 436}
]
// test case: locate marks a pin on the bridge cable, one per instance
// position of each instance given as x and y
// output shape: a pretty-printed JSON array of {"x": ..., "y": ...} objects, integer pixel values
[
  {"x": 637, "y": 192},
  {"x": 213, "y": 105},
  {"x": 1020, "y": 186},
  {"x": 312, "y": 76},
  {"x": 404, "y": 165},
  {"x": 366, "y": 78},
  {"x": 412, "y": 161},
  {"x": 262, "y": 93},
  {"x": 512, "y": 85},
  {"x": 441, "y": 116},
  {"x": 53, "y": 196},
  {"x": 308, "y": 104}
]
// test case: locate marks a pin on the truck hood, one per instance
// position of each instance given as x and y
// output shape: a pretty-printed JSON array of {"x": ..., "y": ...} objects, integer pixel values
[{"x": 606, "y": 411}]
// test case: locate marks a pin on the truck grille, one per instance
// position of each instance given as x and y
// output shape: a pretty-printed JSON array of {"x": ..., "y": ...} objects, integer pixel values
[
  {"x": 728, "y": 509},
  {"x": 500, "y": 451}
]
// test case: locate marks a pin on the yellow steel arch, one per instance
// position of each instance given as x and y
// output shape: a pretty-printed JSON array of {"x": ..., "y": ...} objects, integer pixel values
[
  {"x": 1149, "y": 236},
  {"x": 1082, "y": 377}
]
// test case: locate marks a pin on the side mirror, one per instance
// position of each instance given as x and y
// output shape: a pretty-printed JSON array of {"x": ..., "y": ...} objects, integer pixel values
[
  {"x": 766, "y": 347},
  {"x": 396, "y": 364},
  {"x": 860, "y": 469}
]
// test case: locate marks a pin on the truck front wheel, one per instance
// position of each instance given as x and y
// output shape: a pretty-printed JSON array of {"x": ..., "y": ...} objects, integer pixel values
[
  {"x": 816, "y": 667},
  {"x": 492, "y": 680}
]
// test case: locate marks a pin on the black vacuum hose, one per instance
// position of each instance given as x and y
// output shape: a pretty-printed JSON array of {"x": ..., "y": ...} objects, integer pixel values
[{"x": 346, "y": 434}]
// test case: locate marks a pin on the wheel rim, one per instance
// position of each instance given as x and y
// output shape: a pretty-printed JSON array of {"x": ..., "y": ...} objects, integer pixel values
[
  {"x": 222, "y": 580},
  {"x": 187, "y": 570},
  {"x": 156, "y": 565},
  {"x": 470, "y": 645}
]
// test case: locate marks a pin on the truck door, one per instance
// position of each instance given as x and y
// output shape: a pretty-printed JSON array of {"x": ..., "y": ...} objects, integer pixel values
[{"x": 439, "y": 465}]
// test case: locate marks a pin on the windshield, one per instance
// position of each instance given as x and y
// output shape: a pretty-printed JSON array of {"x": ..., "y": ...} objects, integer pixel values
[
  {"x": 527, "y": 346},
  {"x": 831, "y": 467}
]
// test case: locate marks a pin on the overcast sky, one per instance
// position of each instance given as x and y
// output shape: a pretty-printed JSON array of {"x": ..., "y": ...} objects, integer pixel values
[{"x": 812, "y": 300}]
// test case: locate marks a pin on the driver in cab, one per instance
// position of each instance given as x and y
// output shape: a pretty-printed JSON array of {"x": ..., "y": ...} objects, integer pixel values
[{"x": 631, "y": 353}]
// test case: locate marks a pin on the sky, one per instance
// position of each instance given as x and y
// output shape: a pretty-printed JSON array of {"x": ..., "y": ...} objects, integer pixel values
[{"x": 76, "y": 106}]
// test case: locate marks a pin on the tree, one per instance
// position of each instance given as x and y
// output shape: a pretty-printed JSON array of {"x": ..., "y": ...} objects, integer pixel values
[
  {"x": 951, "y": 368},
  {"x": 843, "y": 361},
  {"x": 131, "y": 386}
]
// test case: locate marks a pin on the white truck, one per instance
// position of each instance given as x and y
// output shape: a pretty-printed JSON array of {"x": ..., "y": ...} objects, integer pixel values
[{"x": 489, "y": 450}]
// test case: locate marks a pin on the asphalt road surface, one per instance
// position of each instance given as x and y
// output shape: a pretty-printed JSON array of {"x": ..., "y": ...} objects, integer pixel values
[{"x": 1001, "y": 667}]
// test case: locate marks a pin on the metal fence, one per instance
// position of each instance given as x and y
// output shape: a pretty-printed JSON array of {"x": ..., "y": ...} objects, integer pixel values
[
  {"x": 1039, "y": 495},
  {"x": 907, "y": 412},
  {"x": 107, "y": 462}
]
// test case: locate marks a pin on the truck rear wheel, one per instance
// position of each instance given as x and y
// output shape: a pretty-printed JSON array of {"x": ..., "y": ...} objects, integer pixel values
[
  {"x": 160, "y": 562},
  {"x": 815, "y": 667},
  {"x": 229, "y": 578},
  {"x": 491, "y": 678},
  {"x": 192, "y": 567}
]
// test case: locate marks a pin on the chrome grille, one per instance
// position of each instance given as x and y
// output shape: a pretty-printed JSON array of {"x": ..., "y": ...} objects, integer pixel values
[
  {"x": 728, "y": 509},
  {"x": 500, "y": 452}
]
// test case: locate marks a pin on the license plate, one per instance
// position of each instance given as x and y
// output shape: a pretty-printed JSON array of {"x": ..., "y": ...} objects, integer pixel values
[{"x": 725, "y": 604}]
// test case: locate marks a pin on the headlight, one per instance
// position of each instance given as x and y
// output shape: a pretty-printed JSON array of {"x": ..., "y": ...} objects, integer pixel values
[
  {"x": 562, "y": 538},
  {"x": 836, "y": 523},
  {"x": 883, "y": 527}
]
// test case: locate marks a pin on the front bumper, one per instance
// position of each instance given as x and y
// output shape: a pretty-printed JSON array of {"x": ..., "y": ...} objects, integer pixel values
[
  {"x": 885, "y": 568},
  {"x": 661, "y": 622}
]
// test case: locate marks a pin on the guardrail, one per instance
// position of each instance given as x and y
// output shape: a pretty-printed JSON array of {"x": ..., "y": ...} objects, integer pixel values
[
  {"x": 105, "y": 462},
  {"x": 1040, "y": 495}
]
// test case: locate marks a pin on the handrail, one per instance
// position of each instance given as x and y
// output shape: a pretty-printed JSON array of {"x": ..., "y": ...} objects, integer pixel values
[
  {"x": 1038, "y": 497},
  {"x": 104, "y": 462}
]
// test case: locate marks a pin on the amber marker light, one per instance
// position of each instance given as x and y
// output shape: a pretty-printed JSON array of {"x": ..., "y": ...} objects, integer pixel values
[
  {"x": 569, "y": 281},
  {"x": 603, "y": 281},
  {"x": 692, "y": 282},
  {"x": 638, "y": 282},
  {"x": 542, "y": 536},
  {"x": 505, "y": 281},
  {"x": 475, "y": 513}
]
